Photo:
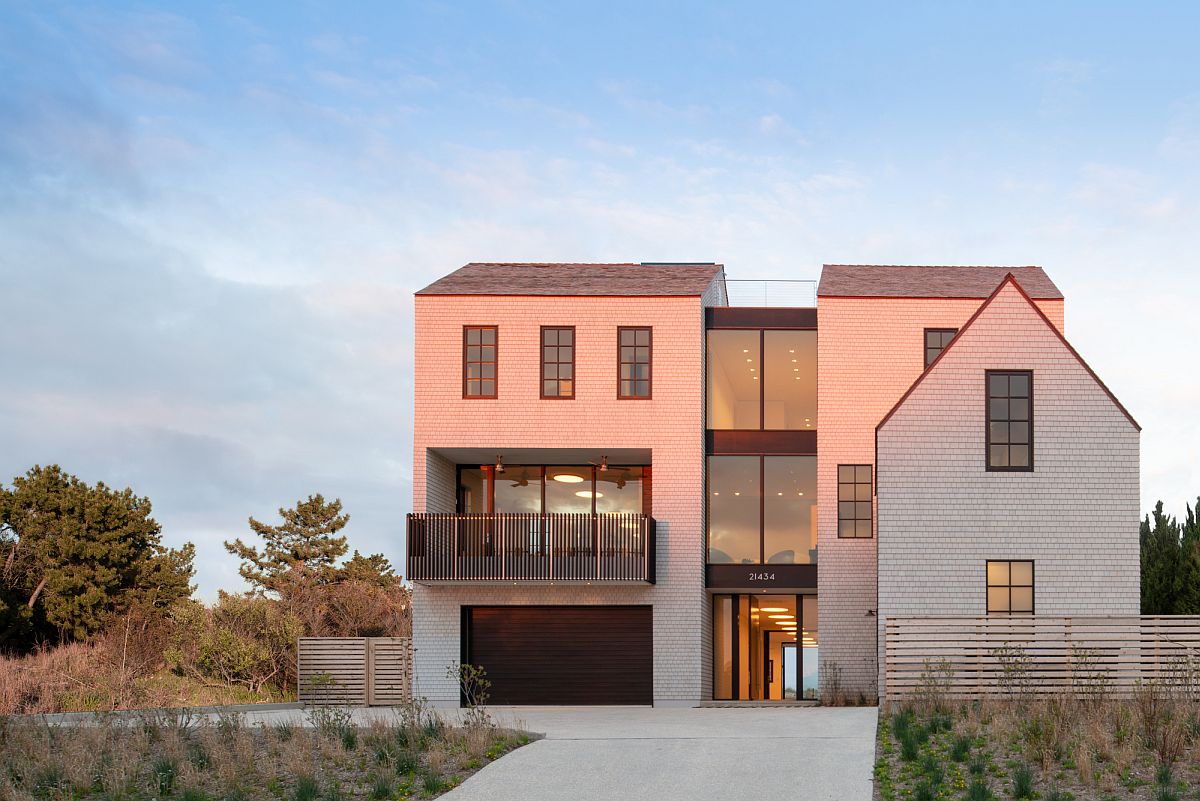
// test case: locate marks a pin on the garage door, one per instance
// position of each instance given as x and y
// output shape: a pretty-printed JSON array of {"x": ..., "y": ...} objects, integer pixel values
[{"x": 563, "y": 654}]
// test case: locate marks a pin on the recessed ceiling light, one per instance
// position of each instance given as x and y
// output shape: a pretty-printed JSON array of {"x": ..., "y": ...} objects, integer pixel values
[
  {"x": 737, "y": 493},
  {"x": 782, "y": 617},
  {"x": 589, "y": 494},
  {"x": 792, "y": 351},
  {"x": 772, "y": 609},
  {"x": 745, "y": 350},
  {"x": 569, "y": 478},
  {"x": 779, "y": 493}
]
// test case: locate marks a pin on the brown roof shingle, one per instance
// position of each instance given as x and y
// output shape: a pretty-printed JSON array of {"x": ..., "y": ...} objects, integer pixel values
[
  {"x": 489, "y": 278},
  {"x": 900, "y": 281}
]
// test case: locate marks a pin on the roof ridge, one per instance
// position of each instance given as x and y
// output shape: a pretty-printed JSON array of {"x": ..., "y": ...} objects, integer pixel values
[{"x": 1008, "y": 279}]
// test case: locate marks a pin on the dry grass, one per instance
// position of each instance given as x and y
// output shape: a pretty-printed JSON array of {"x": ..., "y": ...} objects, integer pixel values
[
  {"x": 88, "y": 677},
  {"x": 119, "y": 759},
  {"x": 1146, "y": 747}
]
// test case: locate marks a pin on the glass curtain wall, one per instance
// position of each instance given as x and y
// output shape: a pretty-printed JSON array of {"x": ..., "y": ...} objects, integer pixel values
[
  {"x": 762, "y": 380},
  {"x": 762, "y": 509},
  {"x": 553, "y": 489},
  {"x": 765, "y": 647}
]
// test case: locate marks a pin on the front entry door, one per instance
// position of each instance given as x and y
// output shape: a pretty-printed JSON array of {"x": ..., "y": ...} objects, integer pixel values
[{"x": 763, "y": 646}]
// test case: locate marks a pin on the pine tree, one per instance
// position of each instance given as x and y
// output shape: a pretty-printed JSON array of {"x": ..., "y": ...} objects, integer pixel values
[
  {"x": 302, "y": 550},
  {"x": 1162, "y": 564},
  {"x": 374, "y": 569},
  {"x": 72, "y": 555},
  {"x": 1189, "y": 574}
]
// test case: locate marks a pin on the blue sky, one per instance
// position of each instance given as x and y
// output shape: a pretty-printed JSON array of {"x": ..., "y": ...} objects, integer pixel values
[{"x": 213, "y": 216}]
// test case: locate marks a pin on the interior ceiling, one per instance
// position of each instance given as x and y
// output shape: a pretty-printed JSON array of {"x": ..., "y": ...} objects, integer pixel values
[{"x": 546, "y": 456}]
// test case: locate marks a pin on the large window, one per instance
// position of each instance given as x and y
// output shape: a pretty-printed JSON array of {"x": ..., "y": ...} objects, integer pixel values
[
  {"x": 558, "y": 362},
  {"x": 479, "y": 361},
  {"x": 762, "y": 379},
  {"x": 1009, "y": 587},
  {"x": 936, "y": 340},
  {"x": 553, "y": 489},
  {"x": 634, "y": 362},
  {"x": 854, "y": 500},
  {"x": 762, "y": 509},
  {"x": 1009, "y": 420}
]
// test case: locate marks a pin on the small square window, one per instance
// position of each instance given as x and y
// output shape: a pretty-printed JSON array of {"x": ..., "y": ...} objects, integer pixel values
[
  {"x": 936, "y": 340},
  {"x": 1010, "y": 587}
]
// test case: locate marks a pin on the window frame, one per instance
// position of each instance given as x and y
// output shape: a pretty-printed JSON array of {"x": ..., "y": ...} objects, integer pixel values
[
  {"x": 649, "y": 363},
  {"x": 542, "y": 361},
  {"x": 495, "y": 363},
  {"x": 838, "y": 500},
  {"x": 953, "y": 332},
  {"x": 987, "y": 423},
  {"x": 1032, "y": 585}
]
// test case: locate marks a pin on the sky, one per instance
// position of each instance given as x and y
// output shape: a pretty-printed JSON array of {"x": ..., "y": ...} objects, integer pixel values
[{"x": 213, "y": 215}]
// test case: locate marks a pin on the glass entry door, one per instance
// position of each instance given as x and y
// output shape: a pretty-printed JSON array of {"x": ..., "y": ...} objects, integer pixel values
[{"x": 764, "y": 647}]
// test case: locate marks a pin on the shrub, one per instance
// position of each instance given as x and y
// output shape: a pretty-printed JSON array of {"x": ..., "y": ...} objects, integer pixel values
[
  {"x": 165, "y": 770},
  {"x": 978, "y": 790},
  {"x": 1022, "y": 782},
  {"x": 381, "y": 786},
  {"x": 306, "y": 789},
  {"x": 960, "y": 748}
]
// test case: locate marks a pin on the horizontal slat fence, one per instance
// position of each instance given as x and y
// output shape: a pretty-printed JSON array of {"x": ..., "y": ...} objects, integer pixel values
[
  {"x": 354, "y": 671},
  {"x": 1039, "y": 655}
]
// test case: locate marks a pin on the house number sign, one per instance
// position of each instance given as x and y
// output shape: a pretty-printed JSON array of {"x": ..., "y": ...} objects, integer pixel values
[{"x": 762, "y": 576}]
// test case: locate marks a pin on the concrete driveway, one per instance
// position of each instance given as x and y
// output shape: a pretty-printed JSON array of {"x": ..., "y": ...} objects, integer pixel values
[{"x": 643, "y": 753}]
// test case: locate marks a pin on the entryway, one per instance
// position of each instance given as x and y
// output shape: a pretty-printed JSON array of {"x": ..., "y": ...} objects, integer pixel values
[{"x": 765, "y": 647}]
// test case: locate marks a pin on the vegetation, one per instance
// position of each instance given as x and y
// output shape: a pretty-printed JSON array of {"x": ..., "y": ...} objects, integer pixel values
[
  {"x": 411, "y": 755},
  {"x": 1171, "y": 563},
  {"x": 1088, "y": 747},
  {"x": 96, "y": 613}
]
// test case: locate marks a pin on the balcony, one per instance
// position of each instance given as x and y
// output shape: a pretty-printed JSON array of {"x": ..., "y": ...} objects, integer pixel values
[{"x": 530, "y": 548}]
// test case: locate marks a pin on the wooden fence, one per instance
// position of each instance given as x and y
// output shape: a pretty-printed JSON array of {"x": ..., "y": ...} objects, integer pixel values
[
  {"x": 1039, "y": 654},
  {"x": 354, "y": 671}
]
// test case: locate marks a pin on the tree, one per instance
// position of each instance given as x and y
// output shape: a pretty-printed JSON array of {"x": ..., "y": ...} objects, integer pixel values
[
  {"x": 1189, "y": 573},
  {"x": 304, "y": 543},
  {"x": 72, "y": 556},
  {"x": 1162, "y": 564},
  {"x": 374, "y": 569}
]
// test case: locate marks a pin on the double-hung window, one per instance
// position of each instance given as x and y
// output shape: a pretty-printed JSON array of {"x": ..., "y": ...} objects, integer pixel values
[
  {"x": 854, "y": 500},
  {"x": 558, "y": 362},
  {"x": 634, "y": 362}
]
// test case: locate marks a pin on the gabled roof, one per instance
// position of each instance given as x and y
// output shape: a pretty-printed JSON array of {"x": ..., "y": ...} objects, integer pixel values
[
  {"x": 901, "y": 281},
  {"x": 1008, "y": 279},
  {"x": 550, "y": 279}
]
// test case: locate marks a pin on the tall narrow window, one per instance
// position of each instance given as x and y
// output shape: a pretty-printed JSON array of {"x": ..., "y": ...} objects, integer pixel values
[
  {"x": 1009, "y": 587},
  {"x": 1010, "y": 420},
  {"x": 558, "y": 362},
  {"x": 634, "y": 362},
  {"x": 854, "y": 500},
  {"x": 479, "y": 361},
  {"x": 936, "y": 340}
]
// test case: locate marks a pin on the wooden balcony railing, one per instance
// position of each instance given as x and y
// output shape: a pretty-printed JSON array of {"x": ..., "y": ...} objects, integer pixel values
[{"x": 610, "y": 548}]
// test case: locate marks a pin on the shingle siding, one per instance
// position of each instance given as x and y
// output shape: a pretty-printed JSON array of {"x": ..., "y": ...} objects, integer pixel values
[
  {"x": 942, "y": 515},
  {"x": 670, "y": 426}
]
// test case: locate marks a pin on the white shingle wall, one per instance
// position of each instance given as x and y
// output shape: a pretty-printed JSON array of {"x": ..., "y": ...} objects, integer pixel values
[
  {"x": 671, "y": 425},
  {"x": 942, "y": 515}
]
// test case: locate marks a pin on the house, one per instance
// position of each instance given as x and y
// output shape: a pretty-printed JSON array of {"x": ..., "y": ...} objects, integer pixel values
[{"x": 630, "y": 490}]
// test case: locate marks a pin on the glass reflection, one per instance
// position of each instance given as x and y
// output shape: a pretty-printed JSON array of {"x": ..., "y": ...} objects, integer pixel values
[
  {"x": 790, "y": 509},
  {"x": 790, "y": 376},
  {"x": 733, "y": 510}
]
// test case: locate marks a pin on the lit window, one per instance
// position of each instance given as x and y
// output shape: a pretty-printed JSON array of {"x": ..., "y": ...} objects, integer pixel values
[{"x": 1009, "y": 587}]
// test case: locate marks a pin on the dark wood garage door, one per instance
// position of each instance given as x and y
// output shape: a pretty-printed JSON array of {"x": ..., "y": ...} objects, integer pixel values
[{"x": 563, "y": 654}]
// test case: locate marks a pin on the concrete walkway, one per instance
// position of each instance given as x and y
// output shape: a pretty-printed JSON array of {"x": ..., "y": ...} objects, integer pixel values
[{"x": 645, "y": 754}]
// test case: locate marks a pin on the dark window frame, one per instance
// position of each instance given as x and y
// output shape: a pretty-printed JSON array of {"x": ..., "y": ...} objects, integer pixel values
[
  {"x": 953, "y": 332},
  {"x": 856, "y": 519},
  {"x": 649, "y": 363},
  {"x": 987, "y": 414},
  {"x": 495, "y": 363},
  {"x": 542, "y": 360},
  {"x": 490, "y": 477},
  {"x": 1032, "y": 585}
]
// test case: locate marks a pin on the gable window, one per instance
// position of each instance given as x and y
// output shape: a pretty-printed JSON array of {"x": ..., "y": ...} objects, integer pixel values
[
  {"x": 1010, "y": 420},
  {"x": 1009, "y": 587},
  {"x": 936, "y": 340},
  {"x": 479, "y": 361},
  {"x": 854, "y": 500},
  {"x": 558, "y": 362},
  {"x": 633, "y": 362}
]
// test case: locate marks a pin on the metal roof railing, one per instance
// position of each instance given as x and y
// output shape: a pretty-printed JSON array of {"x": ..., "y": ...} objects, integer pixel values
[{"x": 771, "y": 293}]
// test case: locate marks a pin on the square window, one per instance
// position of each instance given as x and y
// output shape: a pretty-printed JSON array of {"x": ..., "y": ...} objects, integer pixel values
[{"x": 1010, "y": 587}]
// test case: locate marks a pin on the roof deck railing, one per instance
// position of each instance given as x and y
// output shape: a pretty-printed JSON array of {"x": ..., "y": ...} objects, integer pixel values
[{"x": 771, "y": 293}]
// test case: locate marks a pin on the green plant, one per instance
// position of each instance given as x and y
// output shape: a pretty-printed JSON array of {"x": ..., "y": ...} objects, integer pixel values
[
  {"x": 306, "y": 789},
  {"x": 333, "y": 792},
  {"x": 1166, "y": 794},
  {"x": 165, "y": 770},
  {"x": 433, "y": 783},
  {"x": 1022, "y": 782},
  {"x": 198, "y": 756},
  {"x": 406, "y": 762},
  {"x": 978, "y": 790},
  {"x": 284, "y": 730},
  {"x": 925, "y": 791},
  {"x": 978, "y": 766},
  {"x": 1055, "y": 794},
  {"x": 960, "y": 748},
  {"x": 193, "y": 794},
  {"x": 932, "y": 770},
  {"x": 910, "y": 747},
  {"x": 1164, "y": 775},
  {"x": 349, "y": 738},
  {"x": 381, "y": 785},
  {"x": 330, "y": 721}
]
